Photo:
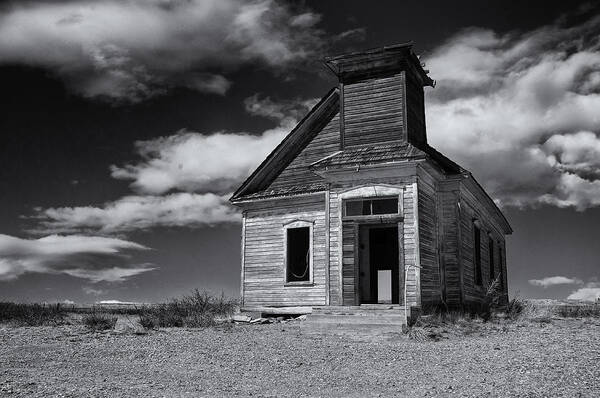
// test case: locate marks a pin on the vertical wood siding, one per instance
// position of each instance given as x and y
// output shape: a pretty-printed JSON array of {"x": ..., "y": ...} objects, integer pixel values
[
  {"x": 450, "y": 252},
  {"x": 374, "y": 110},
  {"x": 430, "y": 271},
  {"x": 472, "y": 209},
  {"x": 264, "y": 282}
]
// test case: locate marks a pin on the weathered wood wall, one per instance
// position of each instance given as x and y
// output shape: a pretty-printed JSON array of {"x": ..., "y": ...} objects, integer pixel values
[
  {"x": 415, "y": 111},
  {"x": 449, "y": 248},
  {"x": 349, "y": 263},
  {"x": 428, "y": 241},
  {"x": 342, "y": 258},
  {"x": 326, "y": 142},
  {"x": 263, "y": 268},
  {"x": 374, "y": 110},
  {"x": 472, "y": 208}
]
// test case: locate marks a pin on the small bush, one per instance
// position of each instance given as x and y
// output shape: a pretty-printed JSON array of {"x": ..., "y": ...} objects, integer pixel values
[
  {"x": 199, "y": 309},
  {"x": 515, "y": 308},
  {"x": 99, "y": 321},
  {"x": 33, "y": 314}
]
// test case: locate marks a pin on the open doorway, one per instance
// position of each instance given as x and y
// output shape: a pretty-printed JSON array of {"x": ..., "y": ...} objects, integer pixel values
[{"x": 378, "y": 264}]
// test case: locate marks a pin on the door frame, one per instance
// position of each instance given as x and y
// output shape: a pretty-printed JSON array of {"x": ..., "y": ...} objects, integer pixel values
[{"x": 368, "y": 226}]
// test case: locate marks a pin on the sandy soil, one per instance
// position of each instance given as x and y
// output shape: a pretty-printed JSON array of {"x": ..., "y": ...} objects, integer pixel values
[{"x": 528, "y": 359}]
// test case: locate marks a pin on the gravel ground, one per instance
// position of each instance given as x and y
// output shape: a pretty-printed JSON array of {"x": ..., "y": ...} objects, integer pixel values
[{"x": 527, "y": 359}]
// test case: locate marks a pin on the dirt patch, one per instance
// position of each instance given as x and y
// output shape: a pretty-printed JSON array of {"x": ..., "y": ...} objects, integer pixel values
[{"x": 558, "y": 358}]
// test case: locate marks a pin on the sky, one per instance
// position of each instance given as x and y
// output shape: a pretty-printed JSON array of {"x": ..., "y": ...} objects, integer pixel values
[{"x": 126, "y": 125}]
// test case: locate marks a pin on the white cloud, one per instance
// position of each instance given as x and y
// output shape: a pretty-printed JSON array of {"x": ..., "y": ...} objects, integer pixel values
[
  {"x": 90, "y": 257},
  {"x": 217, "y": 162},
  {"x": 586, "y": 294},
  {"x": 138, "y": 213},
  {"x": 193, "y": 161},
  {"x": 93, "y": 291},
  {"x": 521, "y": 111},
  {"x": 115, "y": 302},
  {"x": 131, "y": 50},
  {"x": 554, "y": 280}
]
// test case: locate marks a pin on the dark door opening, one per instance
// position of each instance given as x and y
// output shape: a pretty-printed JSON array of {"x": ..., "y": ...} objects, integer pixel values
[{"x": 379, "y": 279}]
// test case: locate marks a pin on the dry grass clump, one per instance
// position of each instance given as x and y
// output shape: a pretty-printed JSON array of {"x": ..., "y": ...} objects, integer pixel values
[
  {"x": 32, "y": 314},
  {"x": 198, "y": 309},
  {"x": 98, "y": 320},
  {"x": 578, "y": 311}
]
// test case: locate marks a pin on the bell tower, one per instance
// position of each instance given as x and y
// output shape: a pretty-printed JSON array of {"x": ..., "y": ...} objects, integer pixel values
[{"x": 382, "y": 98}]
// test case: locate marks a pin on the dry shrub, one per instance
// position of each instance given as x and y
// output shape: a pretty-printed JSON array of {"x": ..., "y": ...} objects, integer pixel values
[
  {"x": 33, "y": 314},
  {"x": 97, "y": 320},
  {"x": 578, "y": 311},
  {"x": 515, "y": 307},
  {"x": 198, "y": 309}
]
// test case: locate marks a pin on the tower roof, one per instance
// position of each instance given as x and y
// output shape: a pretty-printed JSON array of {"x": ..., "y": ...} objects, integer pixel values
[{"x": 378, "y": 61}]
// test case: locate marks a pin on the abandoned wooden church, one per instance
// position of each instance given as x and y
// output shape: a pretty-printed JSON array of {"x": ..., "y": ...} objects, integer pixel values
[{"x": 354, "y": 207}]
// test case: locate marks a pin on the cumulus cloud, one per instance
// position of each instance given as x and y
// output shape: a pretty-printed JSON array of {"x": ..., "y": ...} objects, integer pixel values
[
  {"x": 555, "y": 280},
  {"x": 206, "y": 167},
  {"x": 590, "y": 292},
  {"x": 195, "y": 162},
  {"x": 131, "y": 213},
  {"x": 521, "y": 111},
  {"x": 94, "y": 258},
  {"x": 135, "y": 49},
  {"x": 192, "y": 161}
]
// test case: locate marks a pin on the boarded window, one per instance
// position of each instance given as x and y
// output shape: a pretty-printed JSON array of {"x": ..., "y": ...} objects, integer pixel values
[
  {"x": 477, "y": 254},
  {"x": 491, "y": 255},
  {"x": 298, "y": 254},
  {"x": 371, "y": 207}
]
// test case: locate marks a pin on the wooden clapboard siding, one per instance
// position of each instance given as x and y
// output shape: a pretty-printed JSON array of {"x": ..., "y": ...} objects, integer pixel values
[
  {"x": 415, "y": 112},
  {"x": 410, "y": 245},
  {"x": 335, "y": 283},
  {"x": 430, "y": 271},
  {"x": 450, "y": 247},
  {"x": 349, "y": 263},
  {"x": 326, "y": 142},
  {"x": 472, "y": 208},
  {"x": 374, "y": 110},
  {"x": 264, "y": 273}
]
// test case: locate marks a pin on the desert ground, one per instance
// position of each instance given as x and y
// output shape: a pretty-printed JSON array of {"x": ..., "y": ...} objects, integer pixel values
[{"x": 529, "y": 358}]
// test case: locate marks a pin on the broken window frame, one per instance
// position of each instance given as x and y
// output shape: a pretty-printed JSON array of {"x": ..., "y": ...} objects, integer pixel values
[
  {"x": 369, "y": 201},
  {"x": 296, "y": 225}
]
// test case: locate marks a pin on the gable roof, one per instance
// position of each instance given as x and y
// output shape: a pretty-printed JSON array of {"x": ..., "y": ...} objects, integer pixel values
[
  {"x": 290, "y": 147},
  {"x": 387, "y": 152}
]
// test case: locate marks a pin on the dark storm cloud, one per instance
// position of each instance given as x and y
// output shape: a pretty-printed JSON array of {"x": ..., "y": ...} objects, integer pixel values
[
  {"x": 131, "y": 50},
  {"x": 521, "y": 111},
  {"x": 88, "y": 257}
]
